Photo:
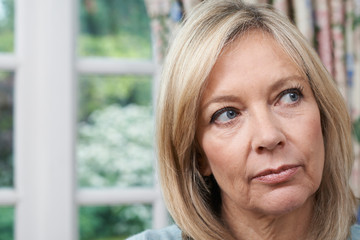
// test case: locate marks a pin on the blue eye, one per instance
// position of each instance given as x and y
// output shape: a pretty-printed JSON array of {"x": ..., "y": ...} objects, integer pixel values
[
  {"x": 224, "y": 115},
  {"x": 291, "y": 96}
]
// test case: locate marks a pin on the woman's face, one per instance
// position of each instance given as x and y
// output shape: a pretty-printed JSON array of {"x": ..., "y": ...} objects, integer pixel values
[{"x": 260, "y": 129}]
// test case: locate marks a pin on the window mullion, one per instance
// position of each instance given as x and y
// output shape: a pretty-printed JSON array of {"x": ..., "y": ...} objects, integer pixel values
[
  {"x": 8, "y": 197},
  {"x": 8, "y": 62},
  {"x": 115, "y": 66},
  {"x": 115, "y": 196},
  {"x": 45, "y": 120}
]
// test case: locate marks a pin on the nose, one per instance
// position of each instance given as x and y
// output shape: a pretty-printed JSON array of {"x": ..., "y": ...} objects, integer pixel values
[{"x": 267, "y": 132}]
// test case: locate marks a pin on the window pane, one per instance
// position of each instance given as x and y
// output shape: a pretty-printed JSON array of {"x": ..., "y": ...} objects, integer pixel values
[
  {"x": 110, "y": 223},
  {"x": 115, "y": 131},
  {"x": 6, "y": 128},
  {"x": 7, "y": 25},
  {"x": 114, "y": 28},
  {"x": 7, "y": 223}
]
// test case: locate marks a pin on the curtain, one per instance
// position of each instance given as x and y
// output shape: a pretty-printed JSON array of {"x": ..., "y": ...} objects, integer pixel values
[
  {"x": 165, "y": 16},
  {"x": 332, "y": 27}
]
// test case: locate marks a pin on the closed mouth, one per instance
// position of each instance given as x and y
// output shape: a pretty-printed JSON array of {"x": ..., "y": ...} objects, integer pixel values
[{"x": 278, "y": 175}]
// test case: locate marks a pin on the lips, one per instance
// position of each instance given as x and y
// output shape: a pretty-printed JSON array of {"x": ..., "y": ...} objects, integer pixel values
[{"x": 276, "y": 176}]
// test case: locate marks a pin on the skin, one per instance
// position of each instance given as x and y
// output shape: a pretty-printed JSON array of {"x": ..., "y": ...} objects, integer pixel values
[{"x": 257, "y": 114}]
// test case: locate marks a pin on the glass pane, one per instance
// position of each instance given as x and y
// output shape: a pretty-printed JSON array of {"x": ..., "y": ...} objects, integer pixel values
[
  {"x": 7, "y": 223},
  {"x": 6, "y": 128},
  {"x": 110, "y": 223},
  {"x": 115, "y": 131},
  {"x": 114, "y": 28},
  {"x": 7, "y": 25}
]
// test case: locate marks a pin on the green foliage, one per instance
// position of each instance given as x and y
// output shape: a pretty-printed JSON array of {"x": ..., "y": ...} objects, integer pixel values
[
  {"x": 97, "y": 92},
  {"x": 116, "y": 148},
  {"x": 6, "y": 120},
  {"x": 98, "y": 17},
  {"x": 356, "y": 129},
  {"x": 7, "y": 223},
  {"x": 119, "y": 45},
  {"x": 115, "y": 117},
  {"x": 6, "y": 129},
  {"x": 7, "y": 26},
  {"x": 114, "y": 28},
  {"x": 110, "y": 223},
  {"x": 7, "y": 41}
]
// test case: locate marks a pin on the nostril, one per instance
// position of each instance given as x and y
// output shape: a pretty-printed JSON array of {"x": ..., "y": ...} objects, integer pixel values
[
  {"x": 261, "y": 148},
  {"x": 270, "y": 146}
]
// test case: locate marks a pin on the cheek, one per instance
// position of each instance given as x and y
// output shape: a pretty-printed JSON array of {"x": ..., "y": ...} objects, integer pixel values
[
  {"x": 217, "y": 153},
  {"x": 225, "y": 157},
  {"x": 313, "y": 146},
  {"x": 315, "y": 136},
  {"x": 318, "y": 150}
]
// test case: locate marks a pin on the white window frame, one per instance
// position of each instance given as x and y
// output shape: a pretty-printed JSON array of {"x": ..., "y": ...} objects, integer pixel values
[{"x": 45, "y": 194}]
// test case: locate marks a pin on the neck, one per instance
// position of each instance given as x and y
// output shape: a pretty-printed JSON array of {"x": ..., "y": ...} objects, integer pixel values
[{"x": 292, "y": 225}]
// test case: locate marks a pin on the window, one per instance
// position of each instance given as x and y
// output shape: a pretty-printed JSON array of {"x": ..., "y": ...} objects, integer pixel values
[
  {"x": 115, "y": 156},
  {"x": 7, "y": 102},
  {"x": 69, "y": 81}
]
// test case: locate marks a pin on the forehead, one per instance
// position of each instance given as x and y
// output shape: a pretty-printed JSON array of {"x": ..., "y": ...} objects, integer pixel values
[
  {"x": 250, "y": 51},
  {"x": 252, "y": 60},
  {"x": 242, "y": 42}
]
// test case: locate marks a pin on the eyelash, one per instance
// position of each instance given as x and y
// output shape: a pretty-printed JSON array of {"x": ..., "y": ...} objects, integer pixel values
[
  {"x": 298, "y": 89},
  {"x": 221, "y": 111}
]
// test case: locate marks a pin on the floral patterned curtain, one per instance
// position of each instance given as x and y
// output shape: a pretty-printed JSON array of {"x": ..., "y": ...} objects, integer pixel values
[
  {"x": 165, "y": 16},
  {"x": 331, "y": 26}
]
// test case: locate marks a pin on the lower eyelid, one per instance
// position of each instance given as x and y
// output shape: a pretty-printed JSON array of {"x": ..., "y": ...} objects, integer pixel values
[
  {"x": 297, "y": 90},
  {"x": 218, "y": 113}
]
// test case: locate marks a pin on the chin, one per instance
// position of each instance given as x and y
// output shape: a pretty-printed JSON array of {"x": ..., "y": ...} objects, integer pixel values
[{"x": 280, "y": 202}]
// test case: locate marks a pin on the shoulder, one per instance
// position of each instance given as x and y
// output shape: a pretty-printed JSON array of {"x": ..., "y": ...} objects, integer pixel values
[
  {"x": 168, "y": 233},
  {"x": 355, "y": 232}
]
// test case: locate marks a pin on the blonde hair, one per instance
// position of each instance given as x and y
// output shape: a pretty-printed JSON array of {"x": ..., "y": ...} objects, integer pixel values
[{"x": 190, "y": 198}]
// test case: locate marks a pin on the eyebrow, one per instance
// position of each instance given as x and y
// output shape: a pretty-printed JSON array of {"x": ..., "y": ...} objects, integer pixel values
[
  {"x": 220, "y": 99},
  {"x": 232, "y": 98},
  {"x": 279, "y": 83}
]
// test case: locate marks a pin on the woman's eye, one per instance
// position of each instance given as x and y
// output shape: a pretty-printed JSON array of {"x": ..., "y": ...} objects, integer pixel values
[
  {"x": 224, "y": 115},
  {"x": 290, "y": 96}
]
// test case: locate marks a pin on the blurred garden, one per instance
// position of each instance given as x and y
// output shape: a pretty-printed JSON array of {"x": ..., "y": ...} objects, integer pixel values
[
  {"x": 115, "y": 117},
  {"x": 6, "y": 116},
  {"x": 115, "y": 123}
]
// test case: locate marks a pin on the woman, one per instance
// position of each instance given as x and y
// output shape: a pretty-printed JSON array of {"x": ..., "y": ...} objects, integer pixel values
[{"x": 253, "y": 137}]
